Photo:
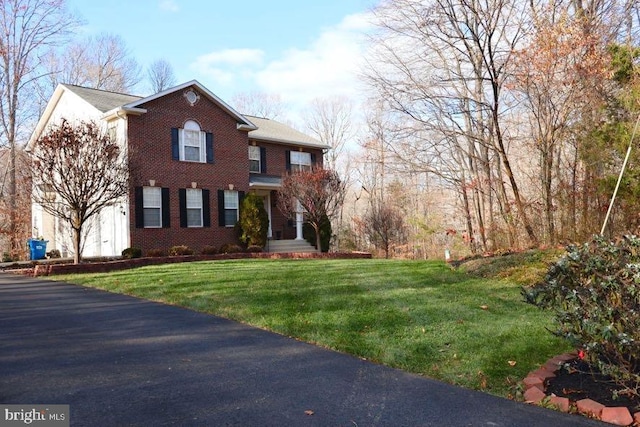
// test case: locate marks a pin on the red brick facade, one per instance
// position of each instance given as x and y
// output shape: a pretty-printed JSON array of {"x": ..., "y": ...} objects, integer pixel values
[{"x": 150, "y": 144}]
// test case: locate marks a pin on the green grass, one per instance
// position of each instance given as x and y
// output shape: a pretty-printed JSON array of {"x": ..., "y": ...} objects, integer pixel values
[{"x": 419, "y": 316}]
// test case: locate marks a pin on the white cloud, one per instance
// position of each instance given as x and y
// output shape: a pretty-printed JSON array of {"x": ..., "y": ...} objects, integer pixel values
[
  {"x": 169, "y": 6},
  {"x": 328, "y": 67},
  {"x": 227, "y": 67}
]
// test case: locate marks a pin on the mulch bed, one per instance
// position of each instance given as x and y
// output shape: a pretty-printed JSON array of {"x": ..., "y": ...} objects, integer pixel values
[{"x": 578, "y": 380}]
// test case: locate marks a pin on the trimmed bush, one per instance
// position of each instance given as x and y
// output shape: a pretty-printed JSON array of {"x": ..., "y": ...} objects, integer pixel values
[
  {"x": 155, "y": 253},
  {"x": 209, "y": 250},
  {"x": 594, "y": 290},
  {"x": 180, "y": 250},
  {"x": 130, "y": 253},
  {"x": 254, "y": 221},
  {"x": 309, "y": 234},
  {"x": 254, "y": 249},
  {"x": 230, "y": 248},
  {"x": 55, "y": 253}
]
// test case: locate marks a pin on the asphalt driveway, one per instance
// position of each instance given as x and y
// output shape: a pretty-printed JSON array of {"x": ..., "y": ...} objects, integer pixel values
[{"x": 118, "y": 360}]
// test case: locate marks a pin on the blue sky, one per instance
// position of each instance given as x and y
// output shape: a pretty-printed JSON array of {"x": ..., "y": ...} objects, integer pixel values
[{"x": 298, "y": 49}]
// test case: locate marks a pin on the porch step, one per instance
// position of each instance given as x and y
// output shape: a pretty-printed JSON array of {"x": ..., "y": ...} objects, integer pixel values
[{"x": 296, "y": 246}]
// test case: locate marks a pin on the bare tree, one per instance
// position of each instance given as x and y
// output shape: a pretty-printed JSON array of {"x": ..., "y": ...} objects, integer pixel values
[
  {"x": 27, "y": 28},
  {"x": 99, "y": 62},
  {"x": 329, "y": 120},
  {"x": 259, "y": 104},
  {"x": 78, "y": 170},
  {"x": 384, "y": 226},
  {"x": 317, "y": 194},
  {"x": 160, "y": 75}
]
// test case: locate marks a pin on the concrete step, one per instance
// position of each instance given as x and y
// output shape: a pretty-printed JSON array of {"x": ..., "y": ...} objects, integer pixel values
[{"x": 295, "y": 246}]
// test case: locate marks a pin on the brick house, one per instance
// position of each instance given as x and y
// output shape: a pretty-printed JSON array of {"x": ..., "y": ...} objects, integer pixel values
[{"x": 192, "y": 158}]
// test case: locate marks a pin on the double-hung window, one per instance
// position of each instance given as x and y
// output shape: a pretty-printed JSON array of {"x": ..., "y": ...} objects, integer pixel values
[
  {"x": 254, "y": 159},
  {"x": 230, "y": 208},
  {"x": 300, "y": 161},
  {"x": 194, "y": 207},
  {"x": 152, "y": 206},
  {"x": 190, "y": 144}
]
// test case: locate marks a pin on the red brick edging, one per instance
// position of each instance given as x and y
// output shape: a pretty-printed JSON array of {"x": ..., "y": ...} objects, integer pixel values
[{"x": 535, "y": 385}]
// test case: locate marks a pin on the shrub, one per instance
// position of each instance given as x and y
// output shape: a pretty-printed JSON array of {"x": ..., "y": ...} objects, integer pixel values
[
  {"x": 54, "y": 253},
  {"x": 309, "y": 234},
  {"x": 155, "y": 253},
  {"x": 254, "y": 221},
  {"x": 130, "y": 253},
  {"x": 230, "y": 248},
  {"x": 254, "y": 249},
  {"x": 6, "y": 257},
  {"x": 209, "y": 250},
  {"x": 594, "y": 290},
  {"x": 180, "y": 250}
]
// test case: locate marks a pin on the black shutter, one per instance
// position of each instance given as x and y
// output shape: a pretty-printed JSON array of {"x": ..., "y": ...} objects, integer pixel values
[
  {"x": 175, "y": 145},
  {"x": 182, "y": 202},
  {"x": 206, "y": 209},
  {"x": 166, "y": 212},
  {"x": 313, "y": 159},
  {"x": 240, "y": 198},
  {"x": 263, "y": 160},
  {"x": 221, "y": 208},
  {"x": 209, "y": 144},
  {"x": 139, "y": 207},
  {"x": 288, "y": 160}
]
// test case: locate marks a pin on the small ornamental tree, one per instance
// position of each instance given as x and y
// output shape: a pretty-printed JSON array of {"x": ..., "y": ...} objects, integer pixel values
[
  {"x": 254, "y": 221},
  {"x": 77, "y": 170},
  {"x": 317, "y": 194}
]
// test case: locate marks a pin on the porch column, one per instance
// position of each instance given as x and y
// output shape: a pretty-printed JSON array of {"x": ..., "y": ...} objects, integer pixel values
[{"x": 299, "y": 221}]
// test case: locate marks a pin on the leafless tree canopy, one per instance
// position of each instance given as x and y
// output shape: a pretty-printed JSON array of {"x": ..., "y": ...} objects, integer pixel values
[
  {"x": 100, "y": 62},
  {"x": 27, "y": 29},
  {"x": 160, "y": 75},
  {"x": 259, "y": 104},
  {"x": 78, "y": 171}
]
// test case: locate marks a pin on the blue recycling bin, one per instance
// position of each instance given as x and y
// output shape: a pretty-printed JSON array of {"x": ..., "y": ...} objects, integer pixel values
[{"x": 38, "y": 248}]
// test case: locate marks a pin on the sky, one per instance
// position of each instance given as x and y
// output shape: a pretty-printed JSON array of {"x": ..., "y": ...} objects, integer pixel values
[{"x": 297, "y": 49}]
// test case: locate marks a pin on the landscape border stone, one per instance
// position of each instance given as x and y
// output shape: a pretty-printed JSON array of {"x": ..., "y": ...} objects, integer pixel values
[{"x": 535, "y": 385}]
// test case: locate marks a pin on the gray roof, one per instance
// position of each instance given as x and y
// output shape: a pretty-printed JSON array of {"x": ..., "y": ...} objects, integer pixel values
[
  {"x": 268, "y": 130},
  {"x": 101, "y": 99},
  {"x": 264, "y": 180},
  {"x": 273, "y": 131}
]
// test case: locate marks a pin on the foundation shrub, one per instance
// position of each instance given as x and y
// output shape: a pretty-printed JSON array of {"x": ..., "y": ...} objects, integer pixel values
[
  {"x": 130, "y": 253},
  {"x": 155, "y": 253},
  {"x": 180, "y": 250},
  {"x": 230, "y": 248}
]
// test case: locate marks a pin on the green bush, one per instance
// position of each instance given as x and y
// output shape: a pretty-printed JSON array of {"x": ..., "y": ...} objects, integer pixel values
[
  {"x": 209, "y": 250},
  {"x": 254, "y": 249},
  {"x": 155, "y": 253},
  {"x": 180, "y": 250},
  {"x": 309, "y": 234},
  {"x": 55, "y": 253},
  {"x": 594, "y": 290},
  {"x": 254, "y": 221},
  {"x": 130, "y": 253},
  {"x": 230, "y": 248}
]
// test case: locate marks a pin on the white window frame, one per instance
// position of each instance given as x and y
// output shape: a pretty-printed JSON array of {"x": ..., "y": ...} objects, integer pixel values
[
  {"x": 197, "y": 140},
  {"x": 231, "y": 202},
  {"x": 194, "y": 203},
  {"x": 152, "y": 201},
  {"x": 300, "y": 161},
  {"x": 254, "y": 156}
]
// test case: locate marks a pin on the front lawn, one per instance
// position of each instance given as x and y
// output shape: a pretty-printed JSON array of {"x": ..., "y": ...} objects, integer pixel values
[{"x": 419, "y": 316}]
